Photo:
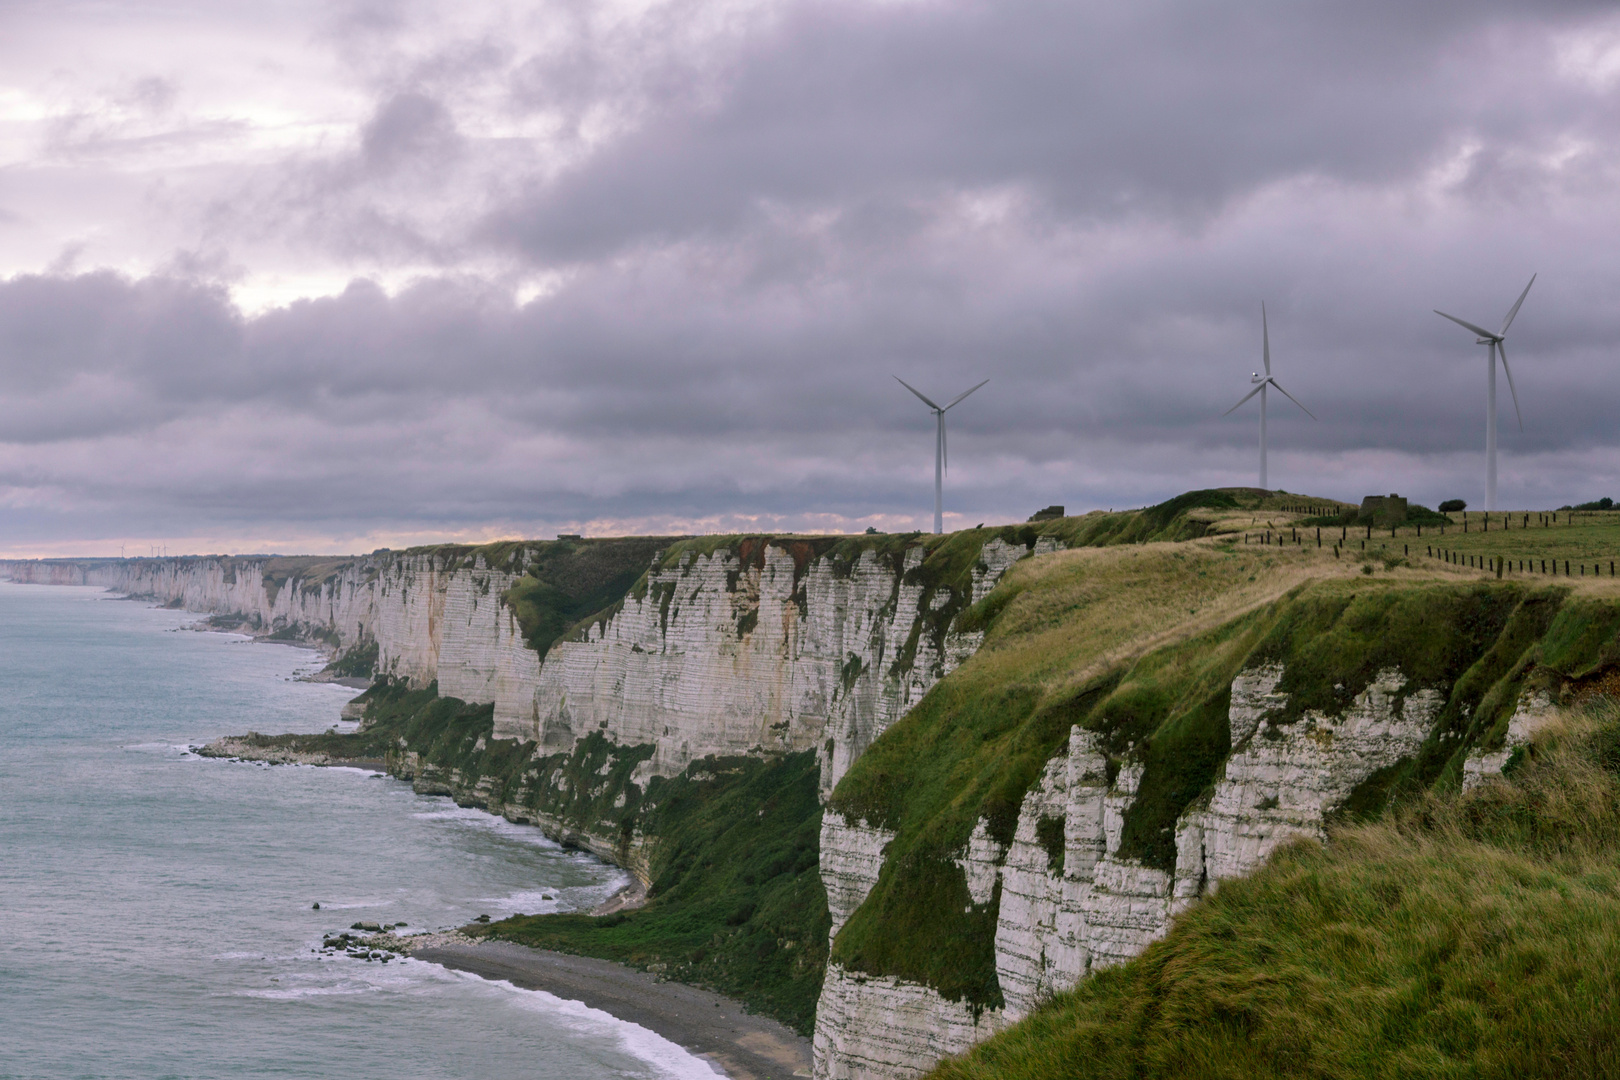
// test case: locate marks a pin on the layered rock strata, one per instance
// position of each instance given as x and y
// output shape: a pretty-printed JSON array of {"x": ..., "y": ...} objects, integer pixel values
[{"x": 721, "y": 655}]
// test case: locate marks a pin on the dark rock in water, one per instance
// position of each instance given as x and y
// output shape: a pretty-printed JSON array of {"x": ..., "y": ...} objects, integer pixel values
[
  {"x": 371, "y": 926},
  {"x": 482, "y": 918},
  {"x": 316, "y": 906}
]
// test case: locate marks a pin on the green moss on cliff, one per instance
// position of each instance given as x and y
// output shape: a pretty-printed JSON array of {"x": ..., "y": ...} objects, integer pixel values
[{"x": 1113, "y": 641}]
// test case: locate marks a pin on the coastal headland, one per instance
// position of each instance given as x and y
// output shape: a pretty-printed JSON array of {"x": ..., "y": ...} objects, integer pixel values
[{"x": 904, "y": 793}]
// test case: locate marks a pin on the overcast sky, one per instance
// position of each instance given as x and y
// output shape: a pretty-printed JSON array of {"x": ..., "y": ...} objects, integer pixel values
[{"x": 304, "y": 276}]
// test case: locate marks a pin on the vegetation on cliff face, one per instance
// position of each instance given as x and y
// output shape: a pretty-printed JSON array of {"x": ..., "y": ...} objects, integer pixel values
[
  {"x": 566, "y": 581},
  {"x": 1141, "y": 644},
  {"x": 977, "y": 741},
  {"x": 1465, "y": 935},
  {"x": 736, "y": 902}
]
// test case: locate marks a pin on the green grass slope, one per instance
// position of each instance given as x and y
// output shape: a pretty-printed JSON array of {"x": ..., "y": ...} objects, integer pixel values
[
  {"x": 1140, "y": 644},
  {"x": 1471, "y": 935}
]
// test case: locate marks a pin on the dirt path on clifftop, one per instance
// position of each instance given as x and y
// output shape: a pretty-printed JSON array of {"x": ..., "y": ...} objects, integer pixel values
[{"x": 746, "y": 1047}]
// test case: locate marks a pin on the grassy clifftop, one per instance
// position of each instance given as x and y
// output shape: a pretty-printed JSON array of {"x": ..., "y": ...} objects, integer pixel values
[
  {"x": 1140, "y": 644},
  {"x": 1466, "y": 936}
]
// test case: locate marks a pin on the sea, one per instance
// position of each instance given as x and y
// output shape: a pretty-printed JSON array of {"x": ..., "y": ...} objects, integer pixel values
[{"x": 157, "y": 910}]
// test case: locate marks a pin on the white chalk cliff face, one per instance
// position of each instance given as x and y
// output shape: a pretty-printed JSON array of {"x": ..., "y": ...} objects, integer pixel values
[
  {"x": 1070, "y": 902},
  {"x": 721, "y": 658},
  {"x": 715, "y": 657}
]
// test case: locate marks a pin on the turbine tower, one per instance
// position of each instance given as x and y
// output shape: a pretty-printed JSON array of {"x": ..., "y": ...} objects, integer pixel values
[
  {"x": 1261, "y": 383},
  {"x": 939, "y": 447},
  {"x": 1493, "y": 345}
]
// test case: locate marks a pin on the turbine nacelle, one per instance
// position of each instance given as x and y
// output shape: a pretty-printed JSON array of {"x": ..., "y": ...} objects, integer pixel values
[
  {"x": 1497, "y": 347},
  {"x": 940, "y": 452},
  {"x": 1261, "y": 383}
]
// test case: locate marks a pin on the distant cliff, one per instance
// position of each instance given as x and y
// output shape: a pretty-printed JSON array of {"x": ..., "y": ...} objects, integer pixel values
[{"x": 694, "y": 647}]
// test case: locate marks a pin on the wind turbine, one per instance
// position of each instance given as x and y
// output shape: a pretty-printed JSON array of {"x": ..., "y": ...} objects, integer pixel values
[
  {"x": 939, "y": 447},
  {"x": 1261, "y": 383},
  {"x": 1493, "y": 345}
]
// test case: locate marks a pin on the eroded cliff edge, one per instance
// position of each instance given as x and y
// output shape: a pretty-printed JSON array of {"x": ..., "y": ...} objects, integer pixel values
[{"x": 1139, "y": 726}]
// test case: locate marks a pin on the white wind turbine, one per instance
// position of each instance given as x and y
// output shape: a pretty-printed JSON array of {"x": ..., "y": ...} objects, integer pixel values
[
  {"x": 939, "y": 447},
  {"x": 1261, "y": 383},
  {"x": 1494, "y": 345}
]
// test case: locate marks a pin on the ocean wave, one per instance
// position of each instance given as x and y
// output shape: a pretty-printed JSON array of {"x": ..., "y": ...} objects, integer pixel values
[{"x": 484, "y": 820}]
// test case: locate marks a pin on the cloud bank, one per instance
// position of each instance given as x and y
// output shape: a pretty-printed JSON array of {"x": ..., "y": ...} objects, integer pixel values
[{"x": 303, "y": 277}]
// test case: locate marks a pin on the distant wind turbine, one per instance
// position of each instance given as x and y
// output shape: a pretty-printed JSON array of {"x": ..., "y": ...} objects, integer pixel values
[
  {"x": 1493, "y": 345},
  {"x": 1262, "y": 382},
  {"x": 939, "y": 447}
]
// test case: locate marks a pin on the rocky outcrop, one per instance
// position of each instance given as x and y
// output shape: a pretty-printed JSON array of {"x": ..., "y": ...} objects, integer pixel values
[
  {"x": 851, "y": 856},
  {"x": 1072, "y": 902},
  {"x": 872, "y": 1026},
  {"x": 1533, "y": 712}
]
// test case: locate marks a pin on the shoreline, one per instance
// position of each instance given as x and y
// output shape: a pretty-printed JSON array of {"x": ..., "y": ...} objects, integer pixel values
[{"x": 740, "y": 1045}]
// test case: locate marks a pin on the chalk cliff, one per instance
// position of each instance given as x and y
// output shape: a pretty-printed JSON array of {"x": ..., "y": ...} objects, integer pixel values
[
  {"x": 1070, "y": 902},
  {"x": 768, "y": 647},
  {"x": 747, "y": 646}
]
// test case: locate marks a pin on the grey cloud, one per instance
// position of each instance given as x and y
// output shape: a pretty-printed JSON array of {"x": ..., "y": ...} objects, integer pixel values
[
  {"x": 1160, "y": 107},
  {"x": 1085, "y": 204},
  {"x": 409, "y": 128}
]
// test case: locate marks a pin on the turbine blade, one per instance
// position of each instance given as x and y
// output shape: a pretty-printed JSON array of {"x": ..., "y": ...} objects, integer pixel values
[
  {"x": 1465, "y": 325},
  {"x": 1265, "y": 338},
  {"x": 1246, "y": 397},
  {"x": 944, "y": 445},
  {"x": 1501, "y": 348},
  {"x": 1507, "y": 322},
  {"x": 1292, "y": 398},
  {"x": 916, "y": 391},
  {"x": 962, "y": 395}
]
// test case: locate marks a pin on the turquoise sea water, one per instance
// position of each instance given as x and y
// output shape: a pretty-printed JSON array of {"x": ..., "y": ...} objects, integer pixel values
[{"x": 155, "y": 915}]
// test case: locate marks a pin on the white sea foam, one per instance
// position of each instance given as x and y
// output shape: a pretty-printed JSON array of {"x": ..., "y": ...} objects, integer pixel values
[
  {"x": 668, "y": 1059},
  {"x": 484, "y": 820},
  {"x": 338, "y": 905},
  {"x": 297, "y": 993}
]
